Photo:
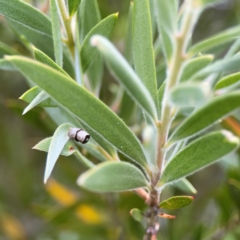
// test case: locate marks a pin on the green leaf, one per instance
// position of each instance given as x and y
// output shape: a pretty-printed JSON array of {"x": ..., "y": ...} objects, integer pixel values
[
  {"x": 137, "y": 214},
  {"x": 43, "y": 58},
  {"x": 34, "y": 25},
  {"x": 224, "y": 65},
  {"x": 7, "y": 50},
  {"x": 105, "y": 28},
  {"x": 89, "y": 16},
  {"x": 59, "y": 139},
  {"x": 142, "y": 46},
  {"x": 122, "y": 71},
  {"x": 42, "y": 96},
  {"x": 160, "y": 98},
  {"x": 167, "y": 24},
  {"x": 207, "y": 115},
  {"x": 184, "y": 185},
  {"x": 26, "y": 15},
  {"x": 195, "y": 65},
  {"x": 217, "y": 40},
  {"x": 32, "y": 93},
  {"x": 67, "y": 150},
  {"x": 227, "y": 81},
  {"x": 112, "y": 177},
  {"x": 6, "y": 65},
  {"x": 73, "y": 6},
  {"x": 83, "y": 105},
  {"x": 176, "y": 202},
  {"x": 188, "y": 95},
  {"x": 199, "y": 154},
  {"x": 56, "y": 32}
]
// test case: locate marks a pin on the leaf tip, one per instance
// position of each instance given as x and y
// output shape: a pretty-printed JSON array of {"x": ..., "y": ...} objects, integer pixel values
[{"x": 230, "y": 137}]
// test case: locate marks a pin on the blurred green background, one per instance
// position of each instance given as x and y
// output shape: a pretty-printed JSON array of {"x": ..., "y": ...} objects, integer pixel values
[{"x": 61, "y": 210}]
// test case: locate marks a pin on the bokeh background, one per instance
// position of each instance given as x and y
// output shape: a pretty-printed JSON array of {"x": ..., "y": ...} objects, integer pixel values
[{"x": 61, "y": 210}]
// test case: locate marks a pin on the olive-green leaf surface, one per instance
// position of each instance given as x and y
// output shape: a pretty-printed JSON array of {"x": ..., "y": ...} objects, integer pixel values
[
  {"x": 59, "y": 139},
  {"x": 216, "y": 40},
  {"x": 73, "y": 6},
  {"x": 188, "y": 95},
  {"x": 227, "y": 81},
  {"x": 6, "y": 65},
  {"x": 105, "y": 28},
  {"x": 137, "y": 214},
  {"x": 184, "y": 185},
  {"x": 123, "y": 72},
  {"x": 68, "y": 149},
  {"x": 43, "y": 58},
  {"x": 176, "y": 202},
  {"x": 215, "y": 109},
  {"x": 142, "y": 46},
  {"x": 83, "y": 105},
  {"x": 194, "y": 65},
  {"x": 42, "y": 96},
  {"x": 56, "y": 32},
  {"x": 167, "y": 24},
  {"x": 199, "y": 154},
  {"x": 112, "y": 177}
]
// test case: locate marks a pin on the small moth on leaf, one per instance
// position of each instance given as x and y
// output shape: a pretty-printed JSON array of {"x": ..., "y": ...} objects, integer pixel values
[{"x": 79, "y": 135}]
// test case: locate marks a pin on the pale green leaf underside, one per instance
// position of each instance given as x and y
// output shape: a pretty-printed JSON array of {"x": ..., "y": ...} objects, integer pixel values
[
  {"x": 32, "y": 93},
  {"x": 184, "y": 185},
  {"x": 207, "y": 115},
  {"x": 142, "y": 46},
  {"x": 59, "y": 139},
  {"x": 176, "y": 202},
  {"x": 123, "y": 72},
  {"x": 112, "y": 177},
  {"x": 199, "y": 154},
  {"x": 83, "y": 105}
]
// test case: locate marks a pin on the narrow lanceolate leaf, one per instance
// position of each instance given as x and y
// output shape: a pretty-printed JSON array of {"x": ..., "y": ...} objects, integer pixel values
[
  {"x": 142, "y": 46},
  {"x": 83, "y": 105},
  {"x": 195, "y": 65},
  {"x": 6, "y": 65},
  {"x": 7, "y": 50},
  {"x": 184, "y": 185},
  {"x": 42, "y": 57},
  {"x": 73, "y": 6},
  {"x": 89, "y": 16},
  {"x": 228, "y": 81},
  {"x": 105, "y": 28},
  {"x": 189, "y": 95},
  {"x": 26, "y": 15},
  {"x": 32, "y": 93},
  {"x": 160, "y": 98},
  {"x": 42, "y": 96},
  {"x": 167, "y": 24},
  {"x": 67, "y": 150},
  {"x": 137, "y": 214},
  {"x": 113, "y": 177},
  {"x": 176, "y": 202},
  {"x": 225, "y": 65},
  {"x": 207, "y": 115},
  {"x": 122, "y": 71},
  {"x": 217, "y": 40},
  {"x": 56, "y": 33},
  {"x": 199, "y": 154},
  {"x": 59, "y": 139}
]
